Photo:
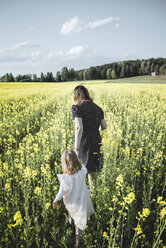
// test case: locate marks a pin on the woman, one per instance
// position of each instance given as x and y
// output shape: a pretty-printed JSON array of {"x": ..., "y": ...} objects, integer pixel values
[{"x": 89, "y": 118}]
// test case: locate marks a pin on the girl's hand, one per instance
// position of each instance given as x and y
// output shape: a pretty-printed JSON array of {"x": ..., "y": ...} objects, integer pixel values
[{"x": 55, "y": 205}]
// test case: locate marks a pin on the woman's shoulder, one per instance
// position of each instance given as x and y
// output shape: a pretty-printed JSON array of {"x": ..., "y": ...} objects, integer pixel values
[
  {"x": 96, "y": 105},
  {"x": 76, "y": 111}
]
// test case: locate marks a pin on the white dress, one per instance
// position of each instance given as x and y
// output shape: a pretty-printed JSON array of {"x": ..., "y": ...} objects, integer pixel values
[{"x": 76, "y": 197}]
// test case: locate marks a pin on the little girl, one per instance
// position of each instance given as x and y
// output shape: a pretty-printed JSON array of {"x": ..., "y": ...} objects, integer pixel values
[{"x": 75, "y": 195}]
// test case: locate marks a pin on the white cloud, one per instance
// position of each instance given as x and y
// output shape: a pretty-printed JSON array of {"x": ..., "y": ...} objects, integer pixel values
[
  {"x": 17, "y": 53},
  {"x": 72, "y": 53},
  {"x": 17, "y": 47},
  {"x": 75, "y": 25},
  {"x": 18, "y": 60},
  {"x": 99, "y": 23},
  {"x": 24, "y": 45},
  {"x": 77, "y": 50},
  {"x": 71, "y": 26},
  {"x": 26, "y": 61}
]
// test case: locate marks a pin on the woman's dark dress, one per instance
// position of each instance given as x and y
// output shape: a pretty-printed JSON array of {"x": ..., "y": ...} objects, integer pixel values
[{"x": 90, "y": 145}]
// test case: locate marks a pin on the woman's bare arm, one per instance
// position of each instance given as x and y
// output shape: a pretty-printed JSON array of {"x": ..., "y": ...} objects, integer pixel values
[
  {"x": 78, "y": 132},
  {"x": 103, "y": 124}
]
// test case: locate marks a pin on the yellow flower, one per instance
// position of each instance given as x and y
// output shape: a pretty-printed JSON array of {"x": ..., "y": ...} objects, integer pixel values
[
  {"x": 1, "y": 174},
  {"x": 56, "y": 164},
  {"x": 34, "y": 173},
  {"x": 105, "y": 234},
  {"x": 138, "y": 229},
  {"x": 137, "y": 172},
  {"x": 44, "y": 170},
  {"x": 114, "y": 199},
  {"x": 1, "y": 209},
  {"x": 37, "y": 190},
  {"x": 129, "y": 198},
  {"x": 5, "y": 166},
  {"x": 47, "y": 205},
  {"x": 17, "y": 132},
  {"x": 127, "y": 150},
  {"x": 163, "y": 213},
  {"x": 145, "y": 212},
  {"x": 27, "y": 172},
  {"x": 7, "y": 186},
  {"x": 128, "y": 189},
  {"x": 18, "y": 219},
  {"x": 119, "y": 180},
  {"x": 160, "y": 201}
]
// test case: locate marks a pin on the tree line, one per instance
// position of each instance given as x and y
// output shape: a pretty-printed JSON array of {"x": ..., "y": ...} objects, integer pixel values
[{"x": 113, "y": 70}]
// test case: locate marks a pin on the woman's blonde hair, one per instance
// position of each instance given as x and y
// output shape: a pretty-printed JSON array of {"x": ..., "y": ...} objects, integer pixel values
[
  {"x": 70, "y": 163},
  {"x": 81, "y": 93}
]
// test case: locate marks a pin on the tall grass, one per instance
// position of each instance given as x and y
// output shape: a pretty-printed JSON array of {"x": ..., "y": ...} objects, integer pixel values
[{"x": 129, "y": 195}]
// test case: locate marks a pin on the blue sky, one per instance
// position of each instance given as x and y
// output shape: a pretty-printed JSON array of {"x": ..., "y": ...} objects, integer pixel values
[{"x": 45, "y": 35}]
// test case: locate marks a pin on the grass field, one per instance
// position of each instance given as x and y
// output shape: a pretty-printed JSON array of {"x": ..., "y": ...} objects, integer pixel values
[{"x": 129, "y": 197}]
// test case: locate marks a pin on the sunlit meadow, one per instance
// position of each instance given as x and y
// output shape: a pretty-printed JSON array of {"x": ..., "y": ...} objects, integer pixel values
[{"x": 36, "y": 126}]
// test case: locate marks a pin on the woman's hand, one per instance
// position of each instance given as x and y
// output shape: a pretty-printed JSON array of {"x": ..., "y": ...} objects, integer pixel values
[
  {"x": 55, "y": 204},
  {"x": 103, "y": 125},
  {"x": 77, "y": 153}
]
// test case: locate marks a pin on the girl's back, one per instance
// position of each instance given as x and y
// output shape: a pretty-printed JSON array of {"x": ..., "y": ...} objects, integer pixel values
[{"x": 76, "y": 197}]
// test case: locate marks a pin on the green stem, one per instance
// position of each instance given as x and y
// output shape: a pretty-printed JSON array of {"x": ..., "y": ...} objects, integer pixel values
[
  {"x": 134, "y": 237},
  {"x": 162, "y": 229}
]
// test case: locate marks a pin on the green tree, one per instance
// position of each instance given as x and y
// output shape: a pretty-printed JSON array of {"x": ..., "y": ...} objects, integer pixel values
[
  {"x": 58, "y": 76},
  {"x": 156, "y": 68},
  {"x": 143, "y": 67},
  {"x": 148, "y": 66},
  {"x": 113, "y": 74},
  {"x": 79, "y": 75},
  {"x": 65, "y": 74},
  {"x": 18, "y": 78},
  {"x": 122, "y": 73},
  {"x": 92, "y": 73},
  {"x": 162, "y": 69},
  {"x": 109, "y": 76},
  {"x": 49, "y": 77},
  {"x": 35, "y": 78},
  {"x": 86, "y": 74},
  {"x": 103, "y": 72},
  {"x": 126, "y": 70},
  {"x": 11, "y": 78},
  {"x": 42, "y": 77},
  {"x": 152, "y": 67},
  {"x": 72, "y": 74},
  {"x": 7, "y": 78}
]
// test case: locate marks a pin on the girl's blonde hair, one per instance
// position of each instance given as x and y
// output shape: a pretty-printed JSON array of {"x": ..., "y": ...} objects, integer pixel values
[{"x": 70, "y": 163}]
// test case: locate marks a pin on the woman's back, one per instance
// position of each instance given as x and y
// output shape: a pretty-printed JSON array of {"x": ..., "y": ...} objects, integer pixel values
[{"x": 90, "y": 113}]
